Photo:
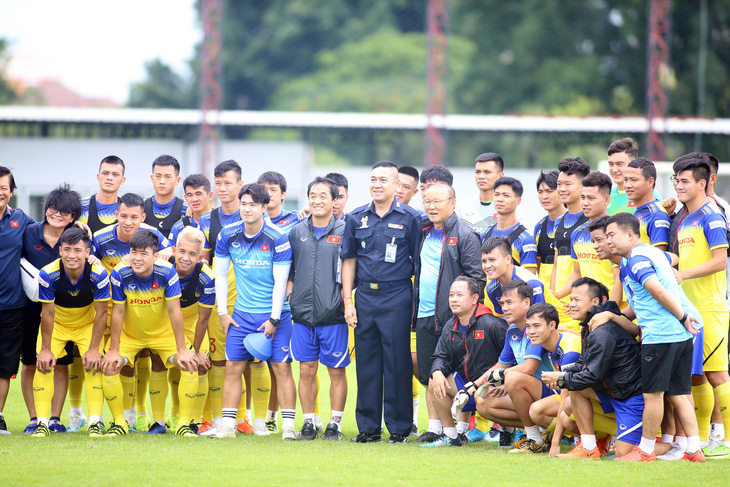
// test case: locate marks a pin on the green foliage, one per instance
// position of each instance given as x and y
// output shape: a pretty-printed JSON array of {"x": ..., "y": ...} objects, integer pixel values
[
  {"x": 7, "y": 94},
  {"x": 384, "y": 72},
  {"x": 163, "y": 88}
]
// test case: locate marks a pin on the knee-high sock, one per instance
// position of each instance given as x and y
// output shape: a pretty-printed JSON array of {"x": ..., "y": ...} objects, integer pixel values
[
  {"x": 241, "y": 414},
  {"x": 207, "y": 409},
  {"x": 94, "y": 391},
  {"x": 128, "y": 384},
  {"x": 416, "y": 393},
  {"x": 76, "y": 375},
  {"x": 173, "y": 379},
  {"x": 113, "y": 393},
  {"x": 200, "y": 397},
  {"x": 215, "y": 389},
  {"x": 142, "y": 370},
  {"x": 43, "y": 393},
  {"x": 723, "y": 399},
  {"x": 482, "y": 424},
  {"x": 704, "y": 402},
  {"x": 260, "y": 390},
  {"x": 316, "y": 396},
  {"x": 187, "y": 393},
  {"x": 158, "y": 394}
]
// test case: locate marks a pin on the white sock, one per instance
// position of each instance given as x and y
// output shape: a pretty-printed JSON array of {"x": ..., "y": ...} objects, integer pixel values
[
  {"x": 43, "y": 420},
  {"x": 249, "y": 414},
  {"x": 434, "y": 426},
  {"x": 667, "y": 438},
  {"x": 94, "y": 418},
  {"x": 77, "y": 410},
  {"x": 309, "y": 417},
  {"x": 717, "y": 430},
  {"x": 132, "y": 410},
  {"x": 647, "y": 446},
  {"x": 259, "y": 422},
  {"x": 217, "y": 419},
  {"x": 127, "y": 413},
  {"x": 533, "y": 433},
  {"x": 337, "y": 418},
  {"x": 693, "y": 444},
  {"x": 588, "y": 441},
  {"x": 462, "y": 427},
  {"x": 450, "y": 431},
  {"x": 681, "y": 441},
  {"x": 287, "y": 417},
  {"x": 229, "y": 422},
  {"x": 415, "y": 410},
  {"x": 317, "y": 419},
  {"x": 270, "y": 415}
]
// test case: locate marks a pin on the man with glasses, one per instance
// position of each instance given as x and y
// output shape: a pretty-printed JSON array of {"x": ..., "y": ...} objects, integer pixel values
[{"x": 450, "y": 249}]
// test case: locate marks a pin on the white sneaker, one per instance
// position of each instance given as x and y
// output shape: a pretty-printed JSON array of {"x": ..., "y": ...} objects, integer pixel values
[
  {"x": 131, "y": 419},
  {"x": 76, "y": 421},
  {"x": 224, "y": 431},
  {"x": 260, "y": 430},
  {"x": 212, "y": 430},
  {"x": 288, "y": 433},
  {"x": 319, "y": 426},
  {"x": 676, "y": 453}
]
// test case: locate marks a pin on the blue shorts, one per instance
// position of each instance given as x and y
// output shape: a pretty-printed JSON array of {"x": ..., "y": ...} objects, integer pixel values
[
  {"x": 326, "y": 343},
  {"x": 628, "y": 415},
  {"x": 249, "y": 323},
  {"x": 470, "y": 405},
  {"x": 698, "y": 343},
  {"x": 547, "y": 392}
]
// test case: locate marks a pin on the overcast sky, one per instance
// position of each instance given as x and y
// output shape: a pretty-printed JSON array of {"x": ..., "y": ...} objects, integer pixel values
[{"x": 97, "y": 47}]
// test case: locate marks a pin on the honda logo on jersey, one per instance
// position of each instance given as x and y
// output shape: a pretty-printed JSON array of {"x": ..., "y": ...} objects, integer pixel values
[
  {"x": 333, "y": 239},
  {"x": 265, "y": 248}
]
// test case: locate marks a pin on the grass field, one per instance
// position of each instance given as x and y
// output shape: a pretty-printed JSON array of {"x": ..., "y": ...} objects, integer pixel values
[{"x": 74, "y": 459}]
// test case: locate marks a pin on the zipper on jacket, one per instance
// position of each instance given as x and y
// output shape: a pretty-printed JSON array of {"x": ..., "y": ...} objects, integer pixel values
[
  {"x": 466, "y": 357},
  {"x": 314, "y": 282}
]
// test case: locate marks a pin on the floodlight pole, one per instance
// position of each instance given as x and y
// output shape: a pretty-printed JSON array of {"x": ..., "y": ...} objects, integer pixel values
[
  {"x": 437, "y": 21},
  {"x": 657, "y": 73},
  {"x": 211, "y": 92}
]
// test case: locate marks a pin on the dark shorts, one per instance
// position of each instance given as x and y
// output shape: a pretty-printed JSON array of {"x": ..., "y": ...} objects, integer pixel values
[
  {"x": 31, "y": 329},
  {"x": 667, "y": 367},
  {"x": 471, "y": 404},
  {"x": 629, "y": 414},
  {"x": 11, "y": 341},
  {"x": 426, "y": 339}
]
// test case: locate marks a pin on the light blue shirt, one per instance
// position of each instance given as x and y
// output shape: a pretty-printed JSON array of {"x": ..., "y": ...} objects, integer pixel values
[{"x": 431, "y": 251}]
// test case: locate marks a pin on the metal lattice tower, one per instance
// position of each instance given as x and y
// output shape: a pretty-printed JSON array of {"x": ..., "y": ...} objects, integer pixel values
[
  {"x": 211, "y": 92},
  {"x": 437, "y": 20},
  {"x": 658, "y": 70}
]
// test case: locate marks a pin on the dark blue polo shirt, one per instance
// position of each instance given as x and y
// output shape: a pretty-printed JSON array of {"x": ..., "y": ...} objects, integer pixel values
[
  {"x": 366, "y": 237},
  {"x": 12, "y": 228},
  {"x": 36, "y": 249}
]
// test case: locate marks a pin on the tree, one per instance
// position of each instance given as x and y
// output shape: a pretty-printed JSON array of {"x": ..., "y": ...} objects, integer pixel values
[
  {"x": 7, "y": 93},
  {"x": 162, "y": 88}
]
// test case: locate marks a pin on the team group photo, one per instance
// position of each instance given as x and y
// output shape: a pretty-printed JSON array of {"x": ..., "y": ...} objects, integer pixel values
[{"x": 271, "y": 273}]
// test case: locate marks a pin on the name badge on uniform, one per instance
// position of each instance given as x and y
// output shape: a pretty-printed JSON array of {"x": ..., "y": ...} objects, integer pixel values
[{"x": 390, "y": 250}]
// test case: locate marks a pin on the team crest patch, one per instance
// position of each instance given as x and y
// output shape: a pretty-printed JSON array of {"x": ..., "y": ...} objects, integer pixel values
[
  {"x": 265, "y": 248},
  {"x": 695, "y": 223},
  {"x": 155, "y": 285},
  {"x": 14, "y": 224},
  {"x": 333, "y": 239},
  {"x": 284, "y": 222},
  {"x": 453, "y": 240},
  {"x": 479, "y": 334}
]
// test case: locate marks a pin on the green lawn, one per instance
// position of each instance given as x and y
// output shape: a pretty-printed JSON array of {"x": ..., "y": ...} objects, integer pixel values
[{"x": 74, "y": 459}]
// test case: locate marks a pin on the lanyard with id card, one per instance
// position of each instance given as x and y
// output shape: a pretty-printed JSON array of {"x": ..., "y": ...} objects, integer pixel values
[{"x": 390, "y": 251}]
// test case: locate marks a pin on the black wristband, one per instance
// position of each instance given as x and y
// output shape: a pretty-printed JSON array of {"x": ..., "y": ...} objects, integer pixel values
[{"x": 684, "y": 318}]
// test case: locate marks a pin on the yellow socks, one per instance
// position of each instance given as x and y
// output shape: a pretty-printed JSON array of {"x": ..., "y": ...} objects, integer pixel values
[
  {"x": 482, "y": 424},
  {"x": 723, "y": 399},
  {"x": 200, "y": 398},
  {"x": 260, "y": 389},
  {"x": 142, "y": 369},
  {"x": 128, "y": 388},
  {"x": 76, "y": 375},
  {"x": 113, "y": 392},
  {"x": 187, "y": 393},
  {"x": 173, "y": 379},
  {"x": 158, "y": 394},
  {"x": 316, "y": 396},
  {"x": 43, "y": 393},
  {"x": 215, "y": 387},
  {"x": 704, "y": 402},
  {"x": 94, "y": 391}
]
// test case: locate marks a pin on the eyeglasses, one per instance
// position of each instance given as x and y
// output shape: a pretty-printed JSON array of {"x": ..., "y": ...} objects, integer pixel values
[
  {"x": 53, "y": 211},
  {"x": 436, "y": 203}
]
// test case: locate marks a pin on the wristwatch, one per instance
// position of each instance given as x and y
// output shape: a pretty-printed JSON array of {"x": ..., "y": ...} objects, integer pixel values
[
  {"x": 561, "y": 382},
  {"x": 274, "y": 321}
]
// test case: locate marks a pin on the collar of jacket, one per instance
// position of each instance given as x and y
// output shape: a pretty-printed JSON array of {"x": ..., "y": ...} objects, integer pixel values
[
  {"x": 448, "y": 224},
  {"x": 480, "y": 311},
  {"x": 605, "y": 306},
  {"x": 331, "y": 224}
]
